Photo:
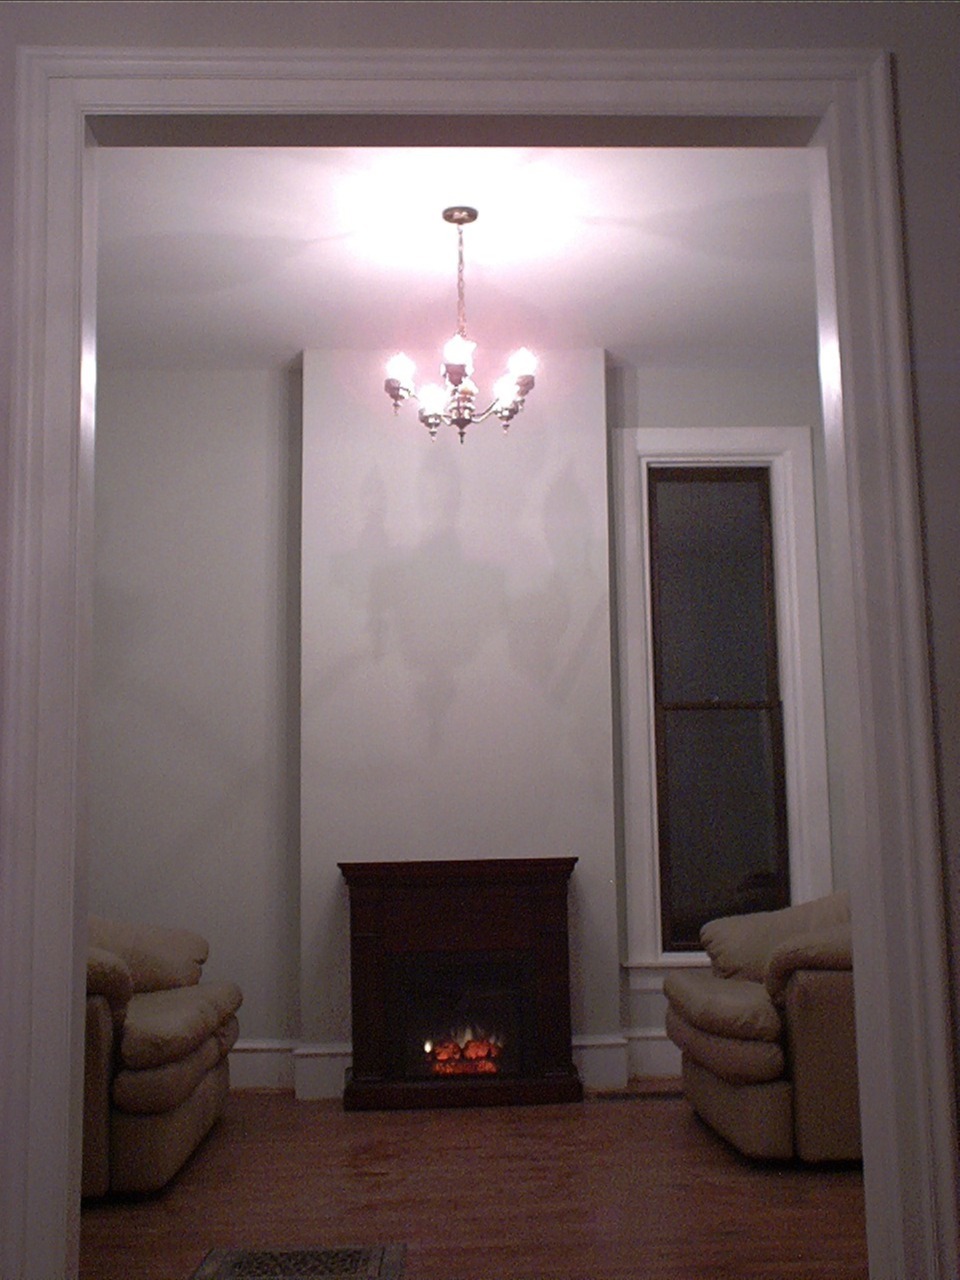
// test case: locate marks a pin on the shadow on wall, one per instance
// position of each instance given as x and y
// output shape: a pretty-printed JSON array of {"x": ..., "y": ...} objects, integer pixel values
[
  {"x": 438, "y": 604},
  {"x": 435, "y": 606},
  {"x": 552, "y": 630}
]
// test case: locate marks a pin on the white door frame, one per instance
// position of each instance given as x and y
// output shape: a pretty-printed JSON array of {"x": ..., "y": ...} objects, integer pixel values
[{"x": 873, "y": 545}]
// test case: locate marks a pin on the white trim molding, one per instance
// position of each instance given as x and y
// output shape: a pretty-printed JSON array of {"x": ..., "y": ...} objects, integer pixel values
[
  {"x": 262, "y": 1064},
  {"x": 319, "y": 1069},
  {"x": 651, "y": 1054},
  {"x": 877, "y": 635},
  {"x": 601, "y": 1061}
]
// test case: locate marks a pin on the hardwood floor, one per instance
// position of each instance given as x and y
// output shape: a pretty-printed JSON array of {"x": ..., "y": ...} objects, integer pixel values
[{"x": 625, "y": 1188}]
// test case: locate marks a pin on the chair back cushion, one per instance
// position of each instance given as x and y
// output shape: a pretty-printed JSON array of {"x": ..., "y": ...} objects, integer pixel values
[
  {"x": 158, "y": 958},
  {"x": 741, "y": 946}
]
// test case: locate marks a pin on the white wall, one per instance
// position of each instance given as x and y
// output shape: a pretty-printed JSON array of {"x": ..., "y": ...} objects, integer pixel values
[
  {"x": 455, "y": 682},
  {"x": 456, "y": 655},
  {"x": 455, "y": 650},
  {"x": 191, "y": 800},
  {"x": 924, "y": 40}
]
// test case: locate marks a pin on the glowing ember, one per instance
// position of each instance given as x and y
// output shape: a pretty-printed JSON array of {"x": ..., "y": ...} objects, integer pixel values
[{"x": 466, "y": 1054}]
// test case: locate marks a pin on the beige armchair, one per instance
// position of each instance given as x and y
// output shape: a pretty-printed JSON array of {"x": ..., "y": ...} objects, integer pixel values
[
  {"x": 767, "y": 1033},
  {"x": 156, "y": 1067}
]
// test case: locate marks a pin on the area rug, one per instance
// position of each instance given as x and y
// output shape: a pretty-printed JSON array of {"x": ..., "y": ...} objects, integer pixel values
[{"x": 383, "y": 1263}]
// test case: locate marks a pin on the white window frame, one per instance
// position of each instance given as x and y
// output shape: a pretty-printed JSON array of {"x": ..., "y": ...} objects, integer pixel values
[{"x": 787, "y": 452}]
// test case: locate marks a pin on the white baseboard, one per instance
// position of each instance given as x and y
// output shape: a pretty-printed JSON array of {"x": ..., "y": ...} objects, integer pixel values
[
  {"x": 601, "y": 1061},
  {"x": 319, "y": 1069},
  {"x": 262, "y": 1064},
  {"x": 310, "y": 1070},
  {"x": 650, "y": 1052}
]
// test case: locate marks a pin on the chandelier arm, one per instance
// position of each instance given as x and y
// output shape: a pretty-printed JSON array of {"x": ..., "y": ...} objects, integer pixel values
[
  {"x": 494, "y": 409},
  {"x": 482, "y": 417}
]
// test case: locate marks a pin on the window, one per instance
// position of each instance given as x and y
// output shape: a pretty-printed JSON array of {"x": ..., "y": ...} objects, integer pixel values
[
  {"x": 721, "y": 793},
  {"x": 777, "y": 674}
]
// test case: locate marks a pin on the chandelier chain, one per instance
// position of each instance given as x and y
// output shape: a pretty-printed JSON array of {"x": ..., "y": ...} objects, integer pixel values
[{"x": 461, "y": 305}]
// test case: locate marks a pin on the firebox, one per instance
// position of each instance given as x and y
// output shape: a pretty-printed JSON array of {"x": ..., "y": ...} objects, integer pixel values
[
  {"x": 460, "y": 983},
  {"x": 461, "y": 1014}
]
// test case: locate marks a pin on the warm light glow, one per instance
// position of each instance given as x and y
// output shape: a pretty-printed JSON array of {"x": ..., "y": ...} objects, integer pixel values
[
  {"x": 456, "y": 403},
  {"x": 402, "y": 368},
  {"x": 467, "y": 1052},
  {"x": 459, "y": 350},
  {"x": 512, "y": 186},
  {"x": 433, "y": 399},
  {"x": 522, "y": 362},
  {"x": 505, "y": 390}
]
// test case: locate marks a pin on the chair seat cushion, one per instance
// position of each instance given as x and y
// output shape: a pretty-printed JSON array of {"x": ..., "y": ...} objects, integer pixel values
[
  {"x": 157, "y": 1089},
  {"x": 164, "y": 1026},
  {"x": 736, "y": 1061},
  {"x": 731, "y": 1007}
]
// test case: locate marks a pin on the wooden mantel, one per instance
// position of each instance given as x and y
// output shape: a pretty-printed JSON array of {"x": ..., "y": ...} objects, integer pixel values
[{"x": 498, "y": 907}]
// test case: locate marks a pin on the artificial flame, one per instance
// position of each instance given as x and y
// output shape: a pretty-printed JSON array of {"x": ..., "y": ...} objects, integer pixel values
[{"x": 466, "y": 1053}]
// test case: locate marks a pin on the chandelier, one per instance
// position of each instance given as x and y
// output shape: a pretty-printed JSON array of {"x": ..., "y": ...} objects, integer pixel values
[{"x": 454, "y": 403}]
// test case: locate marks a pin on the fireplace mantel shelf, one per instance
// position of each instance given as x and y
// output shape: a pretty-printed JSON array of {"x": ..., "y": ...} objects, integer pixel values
[{"x": 450, "y": 871}]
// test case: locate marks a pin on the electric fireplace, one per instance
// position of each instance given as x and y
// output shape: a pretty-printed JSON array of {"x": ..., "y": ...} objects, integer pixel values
[{"x": 460, "y": 986}]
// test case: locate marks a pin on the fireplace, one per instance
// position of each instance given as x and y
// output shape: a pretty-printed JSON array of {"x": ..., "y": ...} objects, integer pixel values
[{"x": 460, "y": 983}]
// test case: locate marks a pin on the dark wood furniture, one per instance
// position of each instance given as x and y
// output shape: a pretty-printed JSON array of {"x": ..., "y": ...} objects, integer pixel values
[{"x": 499, "y": 924}]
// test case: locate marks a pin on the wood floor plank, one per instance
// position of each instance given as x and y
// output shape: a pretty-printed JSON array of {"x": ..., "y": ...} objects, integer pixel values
[{"x": 632, "y": 1188}]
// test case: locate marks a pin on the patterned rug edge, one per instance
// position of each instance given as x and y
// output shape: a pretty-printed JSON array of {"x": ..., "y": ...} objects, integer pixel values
[{"x": 381, "y": 1263}]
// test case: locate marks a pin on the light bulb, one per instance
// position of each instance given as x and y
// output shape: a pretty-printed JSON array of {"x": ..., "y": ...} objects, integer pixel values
[
  {"x": 459, "y": 351},
  {"x": 522, "y": 363},
  {"x": 505, "y": 390},
  {"x": 402, "y": 368},
  {"x": 433, "y": 399}
]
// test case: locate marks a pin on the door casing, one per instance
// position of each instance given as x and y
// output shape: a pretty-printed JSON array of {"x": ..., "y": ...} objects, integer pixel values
[{"x": 873, "y": 545}]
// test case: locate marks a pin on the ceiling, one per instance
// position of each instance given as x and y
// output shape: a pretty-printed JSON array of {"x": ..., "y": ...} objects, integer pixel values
[{"x": 226, "y": 257}]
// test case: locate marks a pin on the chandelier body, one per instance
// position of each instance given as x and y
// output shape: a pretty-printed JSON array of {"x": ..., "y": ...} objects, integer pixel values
[{"x": 455, "y": 403}]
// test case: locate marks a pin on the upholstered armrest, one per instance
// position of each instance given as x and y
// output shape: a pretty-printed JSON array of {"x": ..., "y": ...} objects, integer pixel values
[
  {"x": 826, "y": 948},
  {"x": 98, "y": 1061},
  {"x": 157, "y": 958},
  {"x": 818, "y": 1009},
  {"x": 163, "y": 1026},
  {"x": 728, "y": 1025},
  {"x": 108, "y": 975}
]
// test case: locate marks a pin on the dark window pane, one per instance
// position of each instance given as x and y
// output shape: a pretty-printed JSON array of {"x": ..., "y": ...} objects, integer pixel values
[
  {"x": 711, "y": 591},
  {"x": 719, "y": 821},
  {"x": 721, "y": 792}
]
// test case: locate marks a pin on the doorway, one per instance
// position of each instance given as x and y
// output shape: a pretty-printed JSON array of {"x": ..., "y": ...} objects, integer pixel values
[
  {"x": 397, "y": 543},
  {"x": 907, "y": 1220}
]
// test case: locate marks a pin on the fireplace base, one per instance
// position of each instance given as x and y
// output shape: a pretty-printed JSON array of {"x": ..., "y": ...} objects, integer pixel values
[
  {"x": 407, "y": 1095},
  {"x": 472, "y": 953}
]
